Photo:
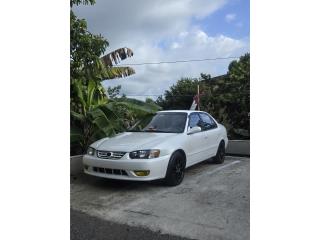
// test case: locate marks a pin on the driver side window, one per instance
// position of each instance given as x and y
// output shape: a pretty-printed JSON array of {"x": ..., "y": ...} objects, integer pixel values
[{"x": 208, "y": 123}]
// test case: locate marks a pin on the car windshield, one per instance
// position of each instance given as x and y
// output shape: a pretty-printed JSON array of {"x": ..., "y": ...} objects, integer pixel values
[{"x": 164, "y": 122}]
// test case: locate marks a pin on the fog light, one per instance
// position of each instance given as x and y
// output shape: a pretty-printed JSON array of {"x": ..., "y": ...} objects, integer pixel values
[
  {"x": 142, "y": 173},
  {"x": 86, "y": 167}
]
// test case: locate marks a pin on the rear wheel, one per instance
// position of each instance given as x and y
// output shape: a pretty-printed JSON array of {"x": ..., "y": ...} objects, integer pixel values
[
  {"x": 219, "y": 158},
  {"x": 175, "y": 171}
]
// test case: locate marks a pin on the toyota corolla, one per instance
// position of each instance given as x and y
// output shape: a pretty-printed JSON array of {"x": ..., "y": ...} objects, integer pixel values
[{"x": 159, "y": 148}]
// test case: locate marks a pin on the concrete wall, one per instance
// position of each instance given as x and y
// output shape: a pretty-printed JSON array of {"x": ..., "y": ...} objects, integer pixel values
[
  {"x": 76, "y": 166},
  {"x": 238, "y": 147}
]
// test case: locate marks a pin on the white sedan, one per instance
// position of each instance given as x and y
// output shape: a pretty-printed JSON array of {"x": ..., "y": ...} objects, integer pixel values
[{"x": 159, "y": 148}]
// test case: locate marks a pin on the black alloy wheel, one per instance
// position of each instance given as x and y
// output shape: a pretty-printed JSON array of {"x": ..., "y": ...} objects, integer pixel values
[
  {"x": 175, "y": 171},
  {"x": 219, "y": 158}
]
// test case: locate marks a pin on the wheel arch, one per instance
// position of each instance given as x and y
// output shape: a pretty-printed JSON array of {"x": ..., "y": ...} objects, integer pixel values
[
  {"x": 183, "y": 153},
  {"x": 180, "y": 150}
]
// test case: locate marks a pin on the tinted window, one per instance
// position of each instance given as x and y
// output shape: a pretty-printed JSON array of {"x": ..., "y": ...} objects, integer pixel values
[
  {"x": 170, "y": 122},
  {"x": 194, "y": 120},
  {"x": 207, "y": 121}
]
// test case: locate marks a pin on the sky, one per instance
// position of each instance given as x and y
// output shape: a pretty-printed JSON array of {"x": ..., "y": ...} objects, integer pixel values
[{"x": 167, "y": 30}]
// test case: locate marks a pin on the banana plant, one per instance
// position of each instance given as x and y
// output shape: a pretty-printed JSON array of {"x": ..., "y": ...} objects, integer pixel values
[
  {"x": 92, "y": 114},
  {"x": 99, "y": 117}
]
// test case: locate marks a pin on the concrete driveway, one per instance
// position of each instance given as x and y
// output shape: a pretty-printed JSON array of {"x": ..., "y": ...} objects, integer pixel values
[{"x": 211, "y": 203}]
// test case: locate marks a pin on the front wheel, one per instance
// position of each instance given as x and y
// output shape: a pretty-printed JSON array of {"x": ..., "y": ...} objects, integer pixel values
[
  {"x": 175, "y": 171},
  {"x": 219, "y": 158}
]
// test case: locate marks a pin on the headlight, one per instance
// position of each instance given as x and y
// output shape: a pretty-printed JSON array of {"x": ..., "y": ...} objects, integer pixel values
[
  {"x": 91, "y": 151},
  {"x": 145, "y": 154}
]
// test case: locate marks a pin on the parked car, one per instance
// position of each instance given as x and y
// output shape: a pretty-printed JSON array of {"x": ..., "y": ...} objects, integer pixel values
[{"x": 159, "y": 148}]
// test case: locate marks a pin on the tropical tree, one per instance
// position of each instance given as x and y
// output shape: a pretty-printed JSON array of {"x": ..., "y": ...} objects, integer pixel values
[
  {"x": 114, "y": 92},
  {"x": 86, "y": 62},
  {"x": 180, "y": 95},
  {"x": 234, "y": 97},
  {"x": 94, "y": 120},
  {"x": 101, "y": 117},
  {"x": 93, "y": 115},
  {"x": 226, "y": 97}
]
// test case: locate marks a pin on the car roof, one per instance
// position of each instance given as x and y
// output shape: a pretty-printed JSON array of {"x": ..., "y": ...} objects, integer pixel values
[{"x": 183, "y": 111}]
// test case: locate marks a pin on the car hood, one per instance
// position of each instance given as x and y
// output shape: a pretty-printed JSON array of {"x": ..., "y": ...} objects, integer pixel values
[{"x": 130, "y": 141}]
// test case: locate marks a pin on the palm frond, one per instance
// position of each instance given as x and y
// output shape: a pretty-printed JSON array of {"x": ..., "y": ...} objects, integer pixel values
[
  {"x": 78, "y": 116},
  {"x": 105, "y": 119},
  {"x": 139, "y": 110},
  {"x": 116, "y": 56},
  {"x": 76, "y": 135},
  {"x": 78, "y": 88},
  {"x": 118, "y": 72},
  {"x": 150, "y": 106}
]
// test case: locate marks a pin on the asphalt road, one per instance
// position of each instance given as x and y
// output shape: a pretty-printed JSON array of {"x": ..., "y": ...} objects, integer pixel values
[
  {"x": 211, "y": 203},
  {"x": 84, "y": 227}
]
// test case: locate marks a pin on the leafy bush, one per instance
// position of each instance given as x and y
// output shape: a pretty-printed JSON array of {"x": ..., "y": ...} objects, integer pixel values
[{"x": 226, "y": 97}]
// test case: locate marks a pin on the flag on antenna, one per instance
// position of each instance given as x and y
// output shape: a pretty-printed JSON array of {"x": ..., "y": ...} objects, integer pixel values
[{"x": 195, "y": 102}]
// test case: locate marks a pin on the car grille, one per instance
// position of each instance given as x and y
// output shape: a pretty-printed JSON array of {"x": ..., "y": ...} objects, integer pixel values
[
  {"x": 110, "y": 171},
  {"x": 110, "y": 155}
]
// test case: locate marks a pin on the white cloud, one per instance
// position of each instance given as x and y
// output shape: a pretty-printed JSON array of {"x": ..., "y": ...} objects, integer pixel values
[
  {"x": 230, "y": 17},
  {"x": 154, "y": 79},
  {"x": 175, "y": 45},
  {"x": 124, "y": 21},
  {"x": 161, "y": 30}
]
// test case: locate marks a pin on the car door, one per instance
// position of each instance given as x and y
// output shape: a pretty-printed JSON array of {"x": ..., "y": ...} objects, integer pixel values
[
  {"x": 211, "y": 132},
  {"x": 196, "y": 149}
]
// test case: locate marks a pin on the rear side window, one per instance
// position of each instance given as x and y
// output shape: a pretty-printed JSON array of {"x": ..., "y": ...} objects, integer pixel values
[{"x": 207, "y": 122}]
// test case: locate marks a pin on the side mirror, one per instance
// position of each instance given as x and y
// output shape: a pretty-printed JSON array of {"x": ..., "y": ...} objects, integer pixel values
[{"x": 194, "y": 130}]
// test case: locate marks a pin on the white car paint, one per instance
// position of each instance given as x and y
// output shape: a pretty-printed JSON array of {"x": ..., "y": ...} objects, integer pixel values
[{"x": 197, "y": 147}]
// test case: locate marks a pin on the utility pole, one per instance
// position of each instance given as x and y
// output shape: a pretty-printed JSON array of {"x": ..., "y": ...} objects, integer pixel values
[{"x": 198, "y": 98}]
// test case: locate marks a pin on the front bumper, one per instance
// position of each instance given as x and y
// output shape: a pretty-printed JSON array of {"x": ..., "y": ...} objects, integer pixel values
[{"x": 124, "y": 168}]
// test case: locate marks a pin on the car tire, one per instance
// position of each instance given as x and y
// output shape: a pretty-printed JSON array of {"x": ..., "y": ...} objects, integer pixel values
[
  {"x": 219, "y": 158},
  {"x": 175, "y": 170}
]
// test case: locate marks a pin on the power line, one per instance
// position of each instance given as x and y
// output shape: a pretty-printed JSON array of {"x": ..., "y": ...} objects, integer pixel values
[
  {"x": 178, "y": 61},
  {"x": 146, "y": 95},
  {"x": 163, "y": 94}
]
